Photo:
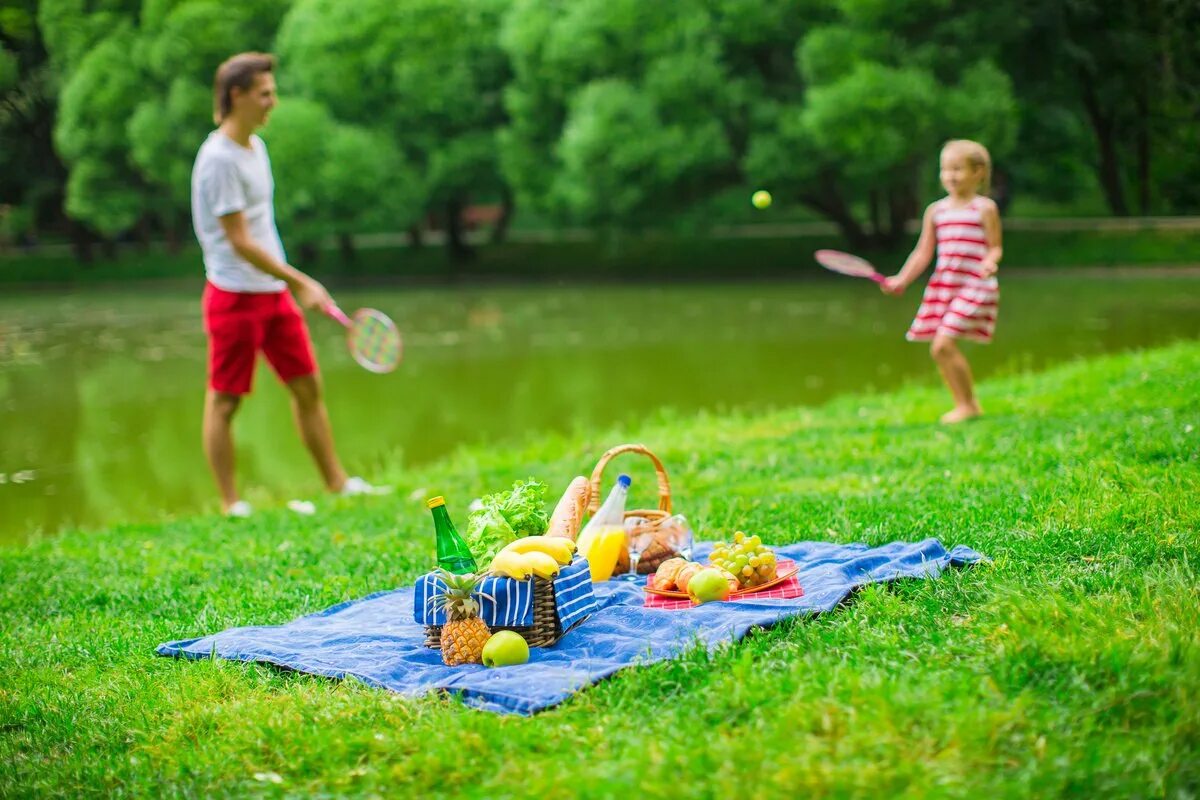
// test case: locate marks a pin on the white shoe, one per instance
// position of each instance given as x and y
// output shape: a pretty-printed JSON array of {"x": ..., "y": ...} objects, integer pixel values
[
  {"x": 355, "y": 486},
  {"x": 303, "y": 507},
  {"x": 240, "y": 509}
]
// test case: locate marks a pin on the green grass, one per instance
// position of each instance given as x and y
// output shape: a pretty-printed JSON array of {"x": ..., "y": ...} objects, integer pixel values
[
  {"x": 1068, "y": 667},
  {"x": 633, "y": 257}
]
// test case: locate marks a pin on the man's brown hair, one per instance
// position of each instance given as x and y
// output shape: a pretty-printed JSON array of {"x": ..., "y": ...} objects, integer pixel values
[{"x": 239, "y": 71}]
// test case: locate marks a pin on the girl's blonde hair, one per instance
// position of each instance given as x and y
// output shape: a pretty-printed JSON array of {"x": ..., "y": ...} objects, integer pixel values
[{"x": 976, "y": 155}]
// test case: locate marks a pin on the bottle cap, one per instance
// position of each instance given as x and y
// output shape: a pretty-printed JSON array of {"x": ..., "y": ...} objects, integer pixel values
[
  {"x": 434, "y": 502},
  {"x": 624, "y": 480}
]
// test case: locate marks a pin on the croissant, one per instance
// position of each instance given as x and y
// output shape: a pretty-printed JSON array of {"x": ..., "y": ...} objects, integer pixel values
[
  {"x": 668, "y": 571},
  {"x": 685, "y": 575}
]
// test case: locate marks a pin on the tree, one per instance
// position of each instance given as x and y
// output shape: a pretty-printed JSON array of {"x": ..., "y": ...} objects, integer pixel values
[
  {"x": 1127, "y": 71},
  {"x": 622, "y": 111},
  {"x": 427, "y": 74},
  {"x": 335, "y": 179},
  {"x": 99, "y": 96},
  {"x": 31, "y": 174}
]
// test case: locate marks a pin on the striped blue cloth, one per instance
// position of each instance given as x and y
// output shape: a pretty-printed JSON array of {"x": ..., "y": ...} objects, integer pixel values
[{"x": 506, "y": 602}]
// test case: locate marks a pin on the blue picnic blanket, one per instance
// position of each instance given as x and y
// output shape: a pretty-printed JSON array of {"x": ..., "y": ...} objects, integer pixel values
[
  {"x": 376, "y": 640},
  {"x": 509, "y": 603}
]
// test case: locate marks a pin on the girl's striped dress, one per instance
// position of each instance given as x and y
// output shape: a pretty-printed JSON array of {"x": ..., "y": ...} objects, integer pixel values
[{"x": 958, "y": 301}]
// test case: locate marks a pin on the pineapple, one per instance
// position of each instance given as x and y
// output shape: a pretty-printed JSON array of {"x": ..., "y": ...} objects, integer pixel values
[{"x": 464, "y": 634}]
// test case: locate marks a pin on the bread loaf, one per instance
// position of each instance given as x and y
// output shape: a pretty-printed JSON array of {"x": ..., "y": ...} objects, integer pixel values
[{"x": 568, "y": 514}]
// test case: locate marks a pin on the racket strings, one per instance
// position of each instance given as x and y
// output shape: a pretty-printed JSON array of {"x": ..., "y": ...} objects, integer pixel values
[
  {"x": 844, "y": 263},
  {"x": 375, "y": 343}
]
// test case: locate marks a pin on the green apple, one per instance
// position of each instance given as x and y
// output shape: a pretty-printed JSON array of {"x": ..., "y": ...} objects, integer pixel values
[
  {"x": 707, "y": 585},
  {"x": 504, "y": 649}
]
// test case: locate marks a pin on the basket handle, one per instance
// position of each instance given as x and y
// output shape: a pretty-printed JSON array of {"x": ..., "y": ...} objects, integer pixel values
[{"x": 664, "y": 485}]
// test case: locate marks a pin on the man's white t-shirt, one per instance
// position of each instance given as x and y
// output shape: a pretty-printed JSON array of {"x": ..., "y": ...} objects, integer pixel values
[{"x": 227, "y": 178}]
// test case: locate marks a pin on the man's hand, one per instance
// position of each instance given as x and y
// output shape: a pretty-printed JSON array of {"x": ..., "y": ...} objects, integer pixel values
[{"x": 311, "y": 295}]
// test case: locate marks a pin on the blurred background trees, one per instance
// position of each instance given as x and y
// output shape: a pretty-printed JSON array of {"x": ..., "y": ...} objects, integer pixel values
[{"x": 609, "y": 114}]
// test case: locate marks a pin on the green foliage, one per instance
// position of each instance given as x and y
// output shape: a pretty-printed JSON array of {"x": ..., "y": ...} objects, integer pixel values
[
  {"x": 651, "y": 108},
  {"x": 426, "y": 75},
  {"x": 335, "y": 178},
  {"x": 71, "y": 28},
  {"x": 94, "y": 110},
  {"x": 618, "y": 113},
  {"x": 1110, "y": 87},
  {"x": 9, "y": 70},
  {"x": 165, "y": 132},
  {"x": 31, "y": 176},
  {"x": 620, "y": 160}
]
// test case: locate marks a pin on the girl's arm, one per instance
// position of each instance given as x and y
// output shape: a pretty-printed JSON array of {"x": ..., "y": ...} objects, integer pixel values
[
  {"x": 991, "y": 232},
  {"x": 918, "y": 259}
]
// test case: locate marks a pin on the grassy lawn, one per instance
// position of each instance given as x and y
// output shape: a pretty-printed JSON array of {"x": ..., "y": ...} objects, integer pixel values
[{"x": 1069, "y": 667}]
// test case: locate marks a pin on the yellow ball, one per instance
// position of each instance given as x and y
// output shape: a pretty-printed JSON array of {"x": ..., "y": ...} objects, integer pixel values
[{"x": 761, "y": 198}]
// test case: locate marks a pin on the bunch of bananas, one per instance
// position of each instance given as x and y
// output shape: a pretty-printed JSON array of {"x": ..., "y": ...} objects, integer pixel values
[{"x": 534, "y": 555}]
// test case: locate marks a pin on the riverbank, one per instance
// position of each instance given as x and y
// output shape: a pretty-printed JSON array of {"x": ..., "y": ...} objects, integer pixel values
[{"x": 743, "y": 252}]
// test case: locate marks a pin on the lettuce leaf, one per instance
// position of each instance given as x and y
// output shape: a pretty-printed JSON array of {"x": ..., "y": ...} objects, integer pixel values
[{"x": 505, "y": 517}]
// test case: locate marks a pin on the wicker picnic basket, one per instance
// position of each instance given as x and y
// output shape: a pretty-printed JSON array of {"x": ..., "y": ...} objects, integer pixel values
[
  {"x": 656, "y": 521},
  {"x": 547, "y": 627},
  {"x": 545, "y": 631}
]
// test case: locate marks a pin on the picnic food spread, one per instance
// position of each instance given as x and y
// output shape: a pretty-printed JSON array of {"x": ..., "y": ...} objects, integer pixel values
[{"x": 538, "y": 570}]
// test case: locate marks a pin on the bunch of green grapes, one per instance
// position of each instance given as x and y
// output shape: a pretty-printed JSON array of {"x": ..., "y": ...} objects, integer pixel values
[{"x": 746, "y": 559}]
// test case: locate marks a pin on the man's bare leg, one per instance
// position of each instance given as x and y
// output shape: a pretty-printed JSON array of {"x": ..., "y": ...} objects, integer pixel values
[
  {"x": 312, "y": 418},
  {"x": 219, "y": 408}
]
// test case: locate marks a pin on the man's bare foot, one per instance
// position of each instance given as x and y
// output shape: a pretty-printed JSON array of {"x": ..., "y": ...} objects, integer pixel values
[{"x": 961, "y": 414}]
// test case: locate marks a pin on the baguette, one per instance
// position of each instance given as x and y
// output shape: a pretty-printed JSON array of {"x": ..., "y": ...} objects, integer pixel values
[{"x": 568, "y": 514}]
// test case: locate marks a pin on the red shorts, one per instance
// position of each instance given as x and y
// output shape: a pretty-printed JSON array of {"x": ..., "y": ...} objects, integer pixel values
[{"x": 239, "y": 325}]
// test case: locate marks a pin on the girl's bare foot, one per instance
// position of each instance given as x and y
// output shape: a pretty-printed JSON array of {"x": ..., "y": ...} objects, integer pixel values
[{"x": 961, "y": 414}]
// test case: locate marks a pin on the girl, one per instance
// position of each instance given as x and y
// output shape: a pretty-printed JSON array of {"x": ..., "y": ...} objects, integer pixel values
[{"x": 961, "y": 299}]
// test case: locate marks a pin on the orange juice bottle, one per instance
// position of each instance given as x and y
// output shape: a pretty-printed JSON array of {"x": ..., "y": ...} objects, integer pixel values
[
  {"x": 611, "y": 512},
  {"x": 606, "y": 548}
]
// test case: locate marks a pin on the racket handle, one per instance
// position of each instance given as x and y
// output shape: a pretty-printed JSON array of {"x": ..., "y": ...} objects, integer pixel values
[
  {"x": 875, "y": 276},
  {"x": 335, "y": 312}
]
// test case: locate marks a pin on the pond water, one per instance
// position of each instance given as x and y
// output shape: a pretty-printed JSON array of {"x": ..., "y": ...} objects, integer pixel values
[{"x": 101, "y": 391}]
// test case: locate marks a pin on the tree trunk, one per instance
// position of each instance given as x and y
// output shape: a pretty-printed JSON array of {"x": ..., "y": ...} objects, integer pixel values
[
  {"x": 144, "y": 234},
  {"x": 876, "y": 225},
  {"x": 309, "y": 253},
  {"x": 902, "y": 206},
  {"x": 346, "y": 246},
  {"x": 1109, "y": 169},
  {"x": 831, "y": 205},
  {"x": 500, "y": 231},
  {"x": 171, "y": 234},
  {"x": 455, "y": 234},
  {"x": 1143, "y": 154},
  {"x": 81, "y": 241},
  {"x": 415, "y": 237}
]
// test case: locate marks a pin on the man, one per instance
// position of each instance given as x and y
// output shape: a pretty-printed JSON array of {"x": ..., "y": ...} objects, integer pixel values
[{"x": 248, "y": 301}]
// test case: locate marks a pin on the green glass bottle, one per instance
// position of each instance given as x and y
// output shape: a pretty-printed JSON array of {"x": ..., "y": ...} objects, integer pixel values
[{"x": 453, "y": 555}]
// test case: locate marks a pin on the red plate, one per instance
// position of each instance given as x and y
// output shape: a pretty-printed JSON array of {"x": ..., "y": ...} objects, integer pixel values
[{"x": 784, "y": 569}]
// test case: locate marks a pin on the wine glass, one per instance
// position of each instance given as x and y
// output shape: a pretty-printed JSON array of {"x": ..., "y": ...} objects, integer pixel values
[
  {"x": 679, "y": 537},
  {"x": 638, "y": 542}
]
